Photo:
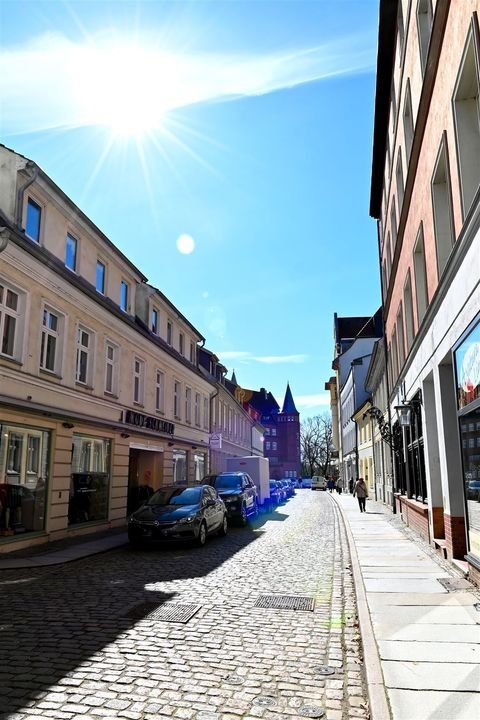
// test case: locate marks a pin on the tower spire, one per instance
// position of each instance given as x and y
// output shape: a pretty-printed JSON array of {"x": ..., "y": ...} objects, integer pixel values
[{"x": 288, "y": 403}]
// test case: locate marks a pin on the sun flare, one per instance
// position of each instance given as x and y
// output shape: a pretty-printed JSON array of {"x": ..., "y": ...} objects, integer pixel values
[{"x": 127, "y": 89}]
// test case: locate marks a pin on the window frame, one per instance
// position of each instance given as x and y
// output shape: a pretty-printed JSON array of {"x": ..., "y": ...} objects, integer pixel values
[
  {"x": 124, "y": 301},
  {"x": 89, "y": 352},
  {"x": 177, "y": 397},
  {"x": 169, "y": 332},
  {"x": 420, "y": 283},
  {"x": 32, "y": 201},
  {"x": 154, "y": 320},
  {"x": 113, "y": 363},
  {"x": 18, "y": 316},
  {"x": 46, "y": 332},
  {"x": 159, "y": 391},
  {"x": 442, "y": 155},
  {"x": 188, "y": 404},
  {"x": 104, "y": 276},
  {"x": 138, "y": 380},
  {"x": 71, "y": 236}
]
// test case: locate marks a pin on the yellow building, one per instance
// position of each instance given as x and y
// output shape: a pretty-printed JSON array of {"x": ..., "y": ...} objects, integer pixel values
[
  {"x": 101, "y": 398},
  {"x": 365, "y": 447}
]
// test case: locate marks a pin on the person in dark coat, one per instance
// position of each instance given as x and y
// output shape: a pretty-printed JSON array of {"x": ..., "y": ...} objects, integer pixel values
[{"x": 361, "y": 491}]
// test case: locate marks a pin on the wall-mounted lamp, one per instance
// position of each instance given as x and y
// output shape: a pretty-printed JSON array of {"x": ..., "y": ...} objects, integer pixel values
[
  {"x": 68, "y": 425},
  {"x": 194, "y": 447},
  {"x": 170, "y": 444},
  {"x": 404, "y": 410},
  {"x": 124, "y": 435}
]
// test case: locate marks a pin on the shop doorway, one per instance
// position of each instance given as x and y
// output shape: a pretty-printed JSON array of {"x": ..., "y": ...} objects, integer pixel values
[{"x": 145, "y": 475}]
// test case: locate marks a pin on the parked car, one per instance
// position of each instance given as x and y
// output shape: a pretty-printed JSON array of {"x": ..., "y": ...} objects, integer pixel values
[
  {"x": 281, "y": 491},
  {"x": 288, "y": 487},
  {"x": 178, "y": 512},
  {"x": 239, "y": 494},
  {"x": 473, "y": 489},
  {"x": 293, "y": 485},
  {"x": 275, "y": 495},
  {"x": 319, "y": 482},
  {"x": 306, "y": 482}
]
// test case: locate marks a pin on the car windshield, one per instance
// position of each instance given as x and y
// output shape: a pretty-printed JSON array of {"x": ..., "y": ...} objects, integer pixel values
[
  {"x": 176, "y": 496},
  {"x": 228, "y": 482}
]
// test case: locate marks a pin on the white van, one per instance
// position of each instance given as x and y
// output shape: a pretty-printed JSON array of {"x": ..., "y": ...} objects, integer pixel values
[{"x": 319, "y": 482}]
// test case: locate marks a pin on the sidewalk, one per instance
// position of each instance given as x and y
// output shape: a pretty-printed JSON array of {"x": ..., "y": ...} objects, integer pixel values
[
  {"x": 423, "y": 637},
  {"x": 63, "y": 551}
]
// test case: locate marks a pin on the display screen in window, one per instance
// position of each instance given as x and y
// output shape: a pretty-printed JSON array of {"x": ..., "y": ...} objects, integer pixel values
[{"x": 467, "y": 365}]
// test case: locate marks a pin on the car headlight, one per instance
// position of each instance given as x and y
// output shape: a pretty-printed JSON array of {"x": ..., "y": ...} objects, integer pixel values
[
  {"x": 132, "y": 520},
  {"x": 187, "y": 520}
]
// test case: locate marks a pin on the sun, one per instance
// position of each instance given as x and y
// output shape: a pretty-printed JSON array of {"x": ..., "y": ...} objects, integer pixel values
[{"x": 126, "y": 88}]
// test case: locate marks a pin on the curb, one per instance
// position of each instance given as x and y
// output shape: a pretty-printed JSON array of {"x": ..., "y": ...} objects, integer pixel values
[
  {"x": 377, "y": 694},
  {"x": 59, "y": 557}
]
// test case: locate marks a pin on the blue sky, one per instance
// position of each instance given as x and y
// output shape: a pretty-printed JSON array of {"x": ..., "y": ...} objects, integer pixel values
[{"x": 245, "y": 125}]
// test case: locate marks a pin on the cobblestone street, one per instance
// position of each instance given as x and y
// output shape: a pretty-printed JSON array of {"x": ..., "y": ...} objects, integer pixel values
[{"x": 77, "y": 641}]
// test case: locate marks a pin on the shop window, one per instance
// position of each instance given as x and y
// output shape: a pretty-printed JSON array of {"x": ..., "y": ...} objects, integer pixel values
[
  {"x": 466, "y": 109},
  {"x": 179, "y": 466},
  {"x": 11, "y": 312},
  {"x": 50, "y": 348},
  {"x": 442, "y": 209},
  {"x": 90, "y": 480},
  {"x": 199, "y": 465},
  {"x": 24, "y": 463}
]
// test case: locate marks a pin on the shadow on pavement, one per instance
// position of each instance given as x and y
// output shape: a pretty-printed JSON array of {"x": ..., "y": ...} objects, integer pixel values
[{"x": 54, "y": 620}]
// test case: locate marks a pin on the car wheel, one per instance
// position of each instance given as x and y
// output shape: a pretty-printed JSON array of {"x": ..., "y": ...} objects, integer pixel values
[
  {"x": 202, "y": 534},
  {"x": 243, "y": 515},
  {"x": 224, "y": 526}
]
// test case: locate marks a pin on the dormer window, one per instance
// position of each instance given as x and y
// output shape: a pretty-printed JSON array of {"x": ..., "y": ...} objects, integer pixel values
[
  {"x": 34, "y": 215},
  {"x": 124, "y": 296},
  {"x": 181, "y": 343},
  {"x": 169, "y": 332},
  {"x": 154, "y": 321}
]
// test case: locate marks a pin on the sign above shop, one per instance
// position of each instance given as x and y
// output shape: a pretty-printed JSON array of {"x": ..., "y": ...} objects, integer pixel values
[
  {"x": 216, "y": 441},
  {"x": 148, "y": 422},
  {"x": 467, "y": 366}
]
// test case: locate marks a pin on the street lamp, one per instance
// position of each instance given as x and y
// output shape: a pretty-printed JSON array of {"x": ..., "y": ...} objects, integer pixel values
[{"x": 404, "y": 413}]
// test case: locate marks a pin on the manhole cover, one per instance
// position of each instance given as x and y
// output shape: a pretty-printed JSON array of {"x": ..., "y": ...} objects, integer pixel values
[
  {"x": 286, "y": 602},
  {"x": 234, "y": 680},
  {"x": 323, "y": 670},
  {"x": 265, "y": 700},
  {"x": 312, "y": 711},
  {"x": 454, "y": 584},
  {"x": 164, "y": 612}
]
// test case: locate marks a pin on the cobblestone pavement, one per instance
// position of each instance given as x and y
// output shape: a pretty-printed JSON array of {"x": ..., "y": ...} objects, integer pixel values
[{"x": 76, "y": 641}]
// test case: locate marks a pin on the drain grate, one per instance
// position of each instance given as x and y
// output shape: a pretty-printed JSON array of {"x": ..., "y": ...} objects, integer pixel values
[
  {"x": 323, "y": 670},
  {"x": 312, "y": 711},
  {"x": 264, "y": 701},
  {"x": 454, "y": 584},
  {"x": 163, "y": 612},
  {"x": 286, "y": 602}
]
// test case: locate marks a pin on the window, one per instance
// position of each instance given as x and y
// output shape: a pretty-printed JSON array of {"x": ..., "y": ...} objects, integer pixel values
[
  {"x": 442, "y": 209},
  {"x": 154, "y": 321},
  {"x": 188, "y": 405},
  {"x": 466, "y": 110},
  {"x": 159, "y": 391},
  {"x": 197, "y": 409},
  {"x": 393, "y": 218},
  {"x": 400, "y": 182},
  {"x": 400, "y": 31},
  {"x": 84, "y": 356},
  {"x": 389, "y": 259},
  {"x": 34, "y": 216},
  {"x": 394, "y": 356},
  {"x": 384, "y": 278},
  {"x": 274, "y": 445},
  {"x": 420, "y": 276},
  {"x": 205, "y": 413},
  {"x": 393, "y": 101},
  {"x": 124, "y": 296},
  {"x": 176, "y": 399},
  {"x": 9, "y": 320},
  {"x": 90, "y": 480},
  {"x": 408, "y": 122},
  {"x": 267, "y": 445},
  {"x": 424, "y": 29},
  {"x": 111, "y": 363},
  {"x": 192, "y": 352},
  {"x": 169, "y": 332},
  {"x": 138, "y": 380},
  {"x": 50, "y": 341},
  {"x": 71, "y": 252},
  {"x": 100, "y": 278},
  {"x": 400, "y": 337},
  {"x": 181, "y": 343},
  {"x": 274, "y": 432},
  {"x": 408, "y": 306}
]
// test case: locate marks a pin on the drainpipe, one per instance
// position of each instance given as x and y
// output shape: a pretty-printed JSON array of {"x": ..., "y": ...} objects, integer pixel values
[{"x": 34, "y": 169}]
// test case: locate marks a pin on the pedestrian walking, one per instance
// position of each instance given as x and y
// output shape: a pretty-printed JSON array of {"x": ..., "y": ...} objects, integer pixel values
[
  {"x": 350, "y": 485},
  {"x": 330, "y": 484},
  {"x": 339, "y": 485},
  {"x": 361, "y": 491}
]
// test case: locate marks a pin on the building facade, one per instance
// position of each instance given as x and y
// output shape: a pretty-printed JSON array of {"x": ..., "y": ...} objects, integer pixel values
[
  {"x": 425, "y": 198},
  {"x": 101, "y": 398},
  {"x": 282, "y": 432}
]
